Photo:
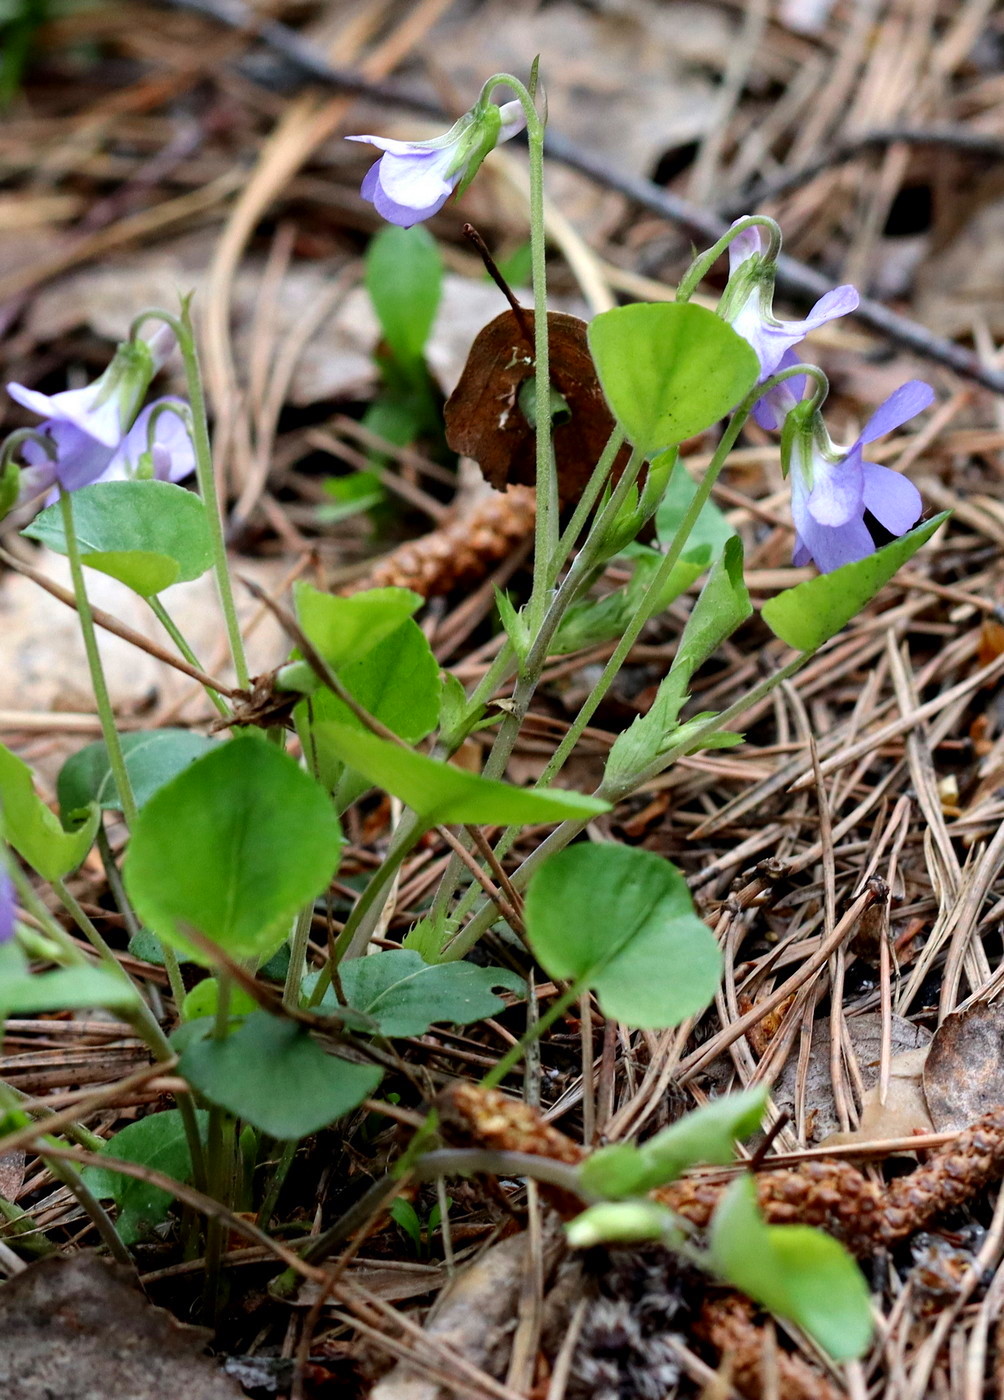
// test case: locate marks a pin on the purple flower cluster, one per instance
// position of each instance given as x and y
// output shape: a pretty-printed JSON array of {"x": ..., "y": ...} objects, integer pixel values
[
  {"x": 832, "y": 488},
  {"x": 98, "y": 435}
]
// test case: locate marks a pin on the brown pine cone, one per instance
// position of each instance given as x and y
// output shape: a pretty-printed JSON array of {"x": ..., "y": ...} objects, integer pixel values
[
  {"x": 464, "y": 551},
  {"x": 830, "y": 1194},
  {"x": 952, "y": 1175},
  {"x": 726, "y": 1324}
]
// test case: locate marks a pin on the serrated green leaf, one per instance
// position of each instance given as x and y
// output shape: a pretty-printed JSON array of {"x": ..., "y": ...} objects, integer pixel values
[
  {"x": 811, "y": 613},
  {"x": 622, "y": 919},
  {"x": 157, "y": 1141},
  {"x": 406, "y": 995},
  {"x": 669, "y": 370},
  {"x": 344, "y": 629},
  {"x": 398, "y": 682},
  {"x": 147, "y": 534}
]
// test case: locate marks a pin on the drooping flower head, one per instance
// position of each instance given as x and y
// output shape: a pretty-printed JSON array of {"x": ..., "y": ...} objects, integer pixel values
[
  {"x": 832, "y": 487},
  {"x": 748, "y": 305},
  {"x": 95, "y": 432},
  {"x": 412, "y": 180}
]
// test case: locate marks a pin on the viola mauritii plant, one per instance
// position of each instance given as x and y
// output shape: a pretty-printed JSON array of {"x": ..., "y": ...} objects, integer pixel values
[
  {"x": 412, "y": 180},
  {"x": 232, "y": 841}
]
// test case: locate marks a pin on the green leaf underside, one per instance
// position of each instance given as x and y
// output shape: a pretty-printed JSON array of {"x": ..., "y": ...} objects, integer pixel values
[
  {"x": 440, "y": 792},
  {"x": 623, "y": 920},
  {"x": 157, "y": 1141},
  {"x": 273, "y": 1075},
  {"x": 405, "y": 995},
  {"x": 404, "y": 279},
  {"x": 811, "y": 613},
  {"x": 68, "y": 988},
  {"x": 34, "y": 831},
  {"x": 152, "y": 758},
  {"x": 147, "y": 534},
  {"x": 233, "y": 846},
  {"x": 669, "y": 370},
  {"x": 344, "y": 629},
  {"x": 794, "y": 1270}
]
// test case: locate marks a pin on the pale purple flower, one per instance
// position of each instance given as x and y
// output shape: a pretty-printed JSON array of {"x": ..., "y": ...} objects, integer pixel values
[
  {"x": 831, "y": 487},
  {"x": 412, "y": 180},
  {"x": 82, "y": 459},
  {"x": 748, "y": 307},
  {"x": 6, "y": 904}
]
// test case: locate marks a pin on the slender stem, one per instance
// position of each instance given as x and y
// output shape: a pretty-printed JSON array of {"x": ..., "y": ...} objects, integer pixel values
[
  {"x": 185, "y": 335},
  {"x": 516, "y": 1052},
  {"x": 116, "y": 758},
  {"x": 115, "y": 882},
  {"x": 275, "y": 1185},
  {"x": 590, "y": 495},
  {"x": 656, "y": 586},
  {"x": 174, "y": 632},
  {"x": 297, "y": 958}
]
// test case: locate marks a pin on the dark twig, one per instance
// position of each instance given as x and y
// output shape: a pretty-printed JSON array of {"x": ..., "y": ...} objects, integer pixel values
[
  {"x": 792, "y": 276},
  {"x": 955, "y": 138}
]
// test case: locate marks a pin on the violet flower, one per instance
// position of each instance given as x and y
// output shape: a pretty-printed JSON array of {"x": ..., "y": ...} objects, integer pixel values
[
  {"x": 747, "y": 304},
  {"x": 6, "y": 904},
  {"x": 82, "y": 460},
  {"x": 832, "y": 487},
  {"x": 412, "y": 180}
]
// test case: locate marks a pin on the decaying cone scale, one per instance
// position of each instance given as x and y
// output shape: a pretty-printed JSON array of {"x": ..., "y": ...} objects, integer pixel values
[{"x": 462, "y": 552}]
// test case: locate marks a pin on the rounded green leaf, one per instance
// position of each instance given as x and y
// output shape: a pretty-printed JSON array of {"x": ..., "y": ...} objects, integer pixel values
[
  {"x": 273, "y": 1075},
  {"x": 152, "y": 758},
  {"x": 794, "y": 1270},
  {"x": 344, "y": 629},
  {"x": 233, "y": 847},
  {"x": 622, "y": 919},
  {"x": 147, "y": 534},
  {"x": 669, "y": 370},
  {"x": 158, "y": 1141},
  {"x": 811, "y": 613}
]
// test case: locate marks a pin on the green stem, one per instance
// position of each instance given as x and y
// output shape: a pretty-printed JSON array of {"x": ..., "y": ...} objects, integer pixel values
[
  {"x": 704, "y": 262},
  {"x": 277, "y": 1182},
  {"x": 297, "y": 958},
  {"x": 516, "y": 1052},
  {"x": 185, "y": 335},
  {"x": 115, "y": 882},
  {"x": 177, "y": 637},
  {"x": 106, "y": 715}
]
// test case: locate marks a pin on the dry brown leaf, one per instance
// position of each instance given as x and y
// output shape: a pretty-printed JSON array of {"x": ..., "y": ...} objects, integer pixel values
[
  {"x": 903, "y": 1111},
  {"x": 964, "y": 1073}
]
